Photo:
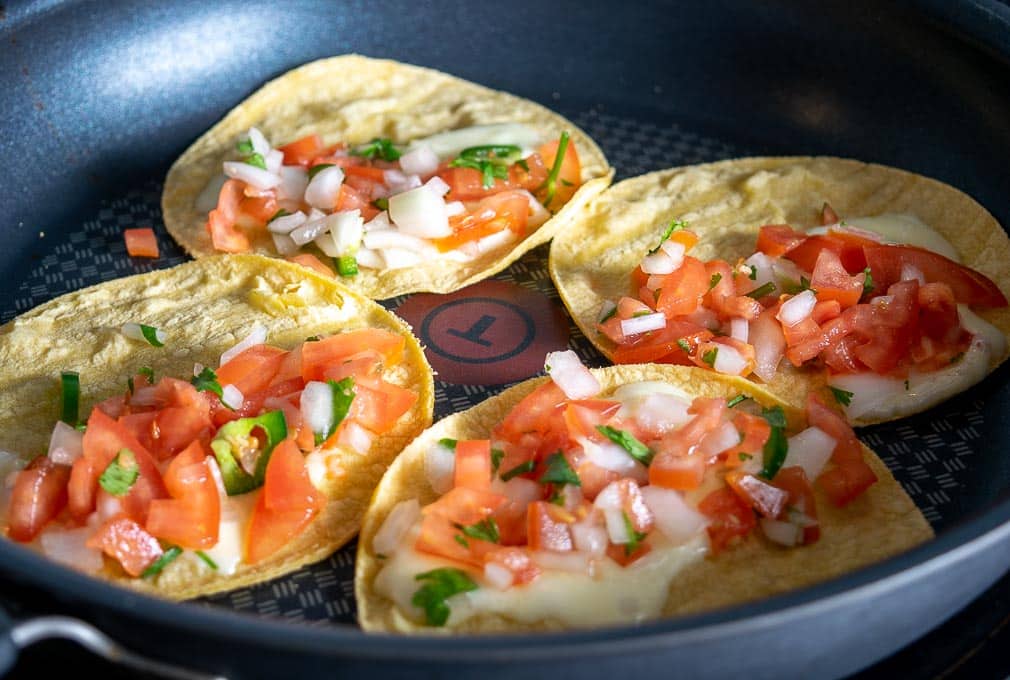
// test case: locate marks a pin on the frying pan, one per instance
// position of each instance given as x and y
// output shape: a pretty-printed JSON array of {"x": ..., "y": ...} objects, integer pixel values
[{"x": 97, "y": 99}]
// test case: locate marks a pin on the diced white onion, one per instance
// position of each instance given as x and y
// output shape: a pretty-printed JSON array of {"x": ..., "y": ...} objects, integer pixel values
[
  {"x": 606, "y": 310},
  {"x": 609, "y": 498},
  {"x": 397, "y": 523},
  {"x": 769, "y": 345},
  {"x": 257, "y": 178},
  {"x": 399, "y": 258},
  {"x": 317, "y": 406},
  {"x": 783, "y": 533},
  {"x": 379, "y": 223},
  {"x": 489, "y": 243},
  {"x": 498, "y": 576},
  {"x": 134, "y": 332},
  {"x": 380, "y": 239},
  {"x": 761, "y": 265},
  {"x": 589, "y": 538},
  {"x": 108, "y": 506},
  {"x": 617, "y": 527},
  {"x": 325, "y": 243},
  {"x": 454, "y": 208},
  {"x": 910, "y": 272},
  {"x": 69, "y": 548},
  {"x": 347, "y": 229},
  {"x": 420, "y": 160},
  {"x": 538, "y": 213},
  {"x": 232, "y": 397},
  {"x": 287, "y": 223},
  {"x": 355, "y": 437},
  {"x": 399, "y": 182},
  {"x": 66, "y": 444},
  {"x": 642, "y": 324},
  {"x": 369, "y": 259},
  {"x": 810, "y": 449},
  {"x": 675, "y": 250},
  {"x": 568, "y": 373},
  {"x": 739, "y": 329},
  {"x": 274, "y": 161},
  {"x": 207, "y": 200},
  {"x": 608, "y": 456},
  {"x": 257, "y": 336},
  {"x": 675, "y": 519},
  {"x": 259, "y": 141},
  {"x": 324, "y": 188},
  {"x": 718, "y": 440},
  {"x": 561, "y": 561},
  {"x": 662, "y": 412},
  {"x": 437, "y": 186},
  {"x": 796, "y": 308},
  {"x": 785, "y": 273},
  {"x": 729, "y": 361},
  {"x": 439, "y": 467},
  {"x": 294, "y": 179},
  {"x": 420, "y": 212},
  {"x": 284, "y": 244},
  {"x": 310, "y": 231},
  {"x": 658, "y": 264}
]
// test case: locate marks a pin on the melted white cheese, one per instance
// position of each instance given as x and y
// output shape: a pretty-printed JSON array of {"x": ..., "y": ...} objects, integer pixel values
[
  {"x": 235, "y": 514},
  {"x": 876, "y": 397},
  {"x": 450, "y": 143}
]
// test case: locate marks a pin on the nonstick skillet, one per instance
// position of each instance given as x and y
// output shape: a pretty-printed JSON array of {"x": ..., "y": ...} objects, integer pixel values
[{"x": 97, "y": 99}]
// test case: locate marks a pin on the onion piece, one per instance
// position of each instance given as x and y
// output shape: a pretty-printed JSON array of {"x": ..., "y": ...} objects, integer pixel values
[
  {"x": 797, "y": 308},
  {"x": 69, "y": 548},
  {"x": 379, "y": 239},
  {"x": 675, "y": 250},
  {"x": 642, "y": 324},
  {"x": 294, "y": 179},
  {"x": 420, "y": 160},
  {"x": 674, "y": 518},
  {"x": 324, "y": 187},
  {"x": 589, "y": 538},
  {"x": 437, "y": 186},
  {"x": 489, "y": 243},
  {"x": 257, "y": 178},
  {"x": 347, "y": 228},
  {"x": 568, "y": 373},
  {"x": 739, "y": 329},
  {"x": 498, "y": 576},
  {"x": 257, "y": 336},
  {"x": 316, "y": 404},
  {"x": 729, "y": 361},
  {"x": 454, "y": 209},
  {"x": 561, "y": 561},
  {"x": 810, "y": 449},
  {"x": 284, "y": 244},
  {"x": 718, "y": 440},
  {"x": 399, "y": 182},
  {"x": 396, "y": 525},
  {"x": 608, "y": 456},
  {"x": 66, "y": 444},
  {"x": 310, "y": 231},
  {"x": 617, "y": 527},
  {"x": 769, "y": 345},
  {"x": 135, "y": 331},
  {"x": 369, "y": 258},
  {"x": 274, "y": 160},
  {"x": 400, "y": 258},
  {"x": 287, "y": 223},
  {"x": 207, "y": 200},
  {"x": 259, "y": 141},
  {"x": 761, "y": 266},
  {"x": 232, "y": 397},
  {"x": 439, "y": 467},
  {"x": 658, "y": 264},
  {"x": 355, "y": 437},
  {"x": 661, "y": 413},
  {"x": 783, "y": 533},
  {"x": 420, "y": 212}
]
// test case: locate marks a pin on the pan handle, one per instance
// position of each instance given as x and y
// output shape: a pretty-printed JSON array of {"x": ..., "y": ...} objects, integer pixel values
[{"x": 22, "y": 634}]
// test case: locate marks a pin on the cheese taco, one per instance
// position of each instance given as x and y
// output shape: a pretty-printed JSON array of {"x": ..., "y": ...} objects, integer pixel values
[
  {"x": 205, "y": 427},
  {"x": 879, "y": 288},
  {"x": 619, "y": 495},
  {"x": 406, "y": 179}
]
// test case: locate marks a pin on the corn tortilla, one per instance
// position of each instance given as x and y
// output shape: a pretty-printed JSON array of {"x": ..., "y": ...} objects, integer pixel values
[
  {"x": 727, "y": 202},
  {"x": 204, "y": 307},
  {"x": 882, "y": 522},
  {"x": 355, "y": 99}
]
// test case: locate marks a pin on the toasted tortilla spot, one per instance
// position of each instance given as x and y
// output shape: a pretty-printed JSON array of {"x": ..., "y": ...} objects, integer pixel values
[
  {"x": 355, "y": 99},
  {"x": 882, "y": 522},
  {"x": 726, "y": 203},
  {"x": 204, "y": 308}
]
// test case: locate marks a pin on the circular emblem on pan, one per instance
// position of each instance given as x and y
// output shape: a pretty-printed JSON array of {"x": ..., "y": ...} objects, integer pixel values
[{"x": 491, "y": 333}]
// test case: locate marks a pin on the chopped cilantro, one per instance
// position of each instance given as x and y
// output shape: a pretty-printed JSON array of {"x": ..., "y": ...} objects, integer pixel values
[
  {"x": 122, "y": 472},
  {"x": 381, "y": 203},
  {"x": 256, "y": 160},
  {"x": 843, "y": 397},
  {"x": 313, "y": 338},
  {"x": 670, "y": 228},
  {"x": 737, "y": 400},
  {"x": 635, "y": 537},
  {"x": 753, "y": 273},
  {"x": 447, "y": 443},
  {"x": 684, "y": 345},
  {"x": 762, "y": 291},
  {"x": 710, "y": 356},
  {"x": 207, "y": 382},
  {"x": 147, "y": 372},
  {"x": 491, "y": 160},
  {"x": 484, "y": 530},
  {"x": 244, "y": 146},
  {"x": 559, "y": 471},
  {"x": 281, "y": 212},
  {"x": 714, "y": 281},
  {"x": 159, "y": 565},
  {"x": 316, "y": 169},
  {"x": 868, "y": 281},
  {"x": 496, "y": 458},
  {"x": 70, "y": 397},
  {"x": 520, "y": 469},
  {"x": 745, "y": 456},
  {"x": 380, "y": 147},
  {"x": 776, "y": 448},
  {"x": 609, "y": 314},
  {"x": 557, "y": 498},
  {"x": 627, "y": 441},
  {"x": 441, "y": 585},
  {"x": 206, "y": 559},
  {"x": 643, "y": 312},
  {"x": 461, "y": 540}
]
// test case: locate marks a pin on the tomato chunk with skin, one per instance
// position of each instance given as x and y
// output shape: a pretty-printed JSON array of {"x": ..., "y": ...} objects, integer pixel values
[
  {"x": 39, "y": 494},
  {"x": 547, "y": 527},
  {"x": 846, "y": 481},
  {"x": 800, "y": 499},
  {"x": 833, "y": 282},
  {"x": 141, "y": 242},
  {"x": 252, "y": 369},
  {"x": 729, "y": 518},
  {"x": 317, "y": 356},
  {"x": 377, "y": 404},
  {"x": 758, "y": 494},
  {"x": 969, "y": 286},
  {"x": 128, "y": 543},
  {"x": 682, "y": 291},
  {"x": 775, "y": 240},
  {"x": 473, "y": 464},
  {"x": 225, "y": 237},
  {"x": 191, "y": 517}
]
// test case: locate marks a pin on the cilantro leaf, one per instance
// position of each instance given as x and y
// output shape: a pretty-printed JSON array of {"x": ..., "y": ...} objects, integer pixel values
[
  {"x": 244, "y": 146},
  {"x": 256, "y": 160},
  {"x": 496, "y": 458},
  {"x": 714, "y": 281},
  {"x": 670, "y": 228},
  {"x": 843, "y": 397},
  {"x": 121, "y": 473},
  {"x": 159, "y": 565},
  {"x": 207, "y": 382},
  {"x": 710, "y": 356},
  {"x": 736, "y": 400},
  {"x": 484, "y": 530},
  {"x": 867, "y": 282},
  {"x": 761, "y": 291},
  {"x": 520, "y": 469},
  {"x": 440, "y": 585},
  {"x": 684, "y": 345},
  {"x": 635, "y": 537},
  {"x": 448, "y": 443},
  {"x": 776, "y": 448},
  {"x": 281, "y": 212},
  {"x": 316, "y": 169},
  {"x": 381, "y": 203},
  {"x": 380, "y": 147},
  {"x": 206, "y": 559},
  {"x": 559, "y": 471},
  {"x": 627, "y": 441}
]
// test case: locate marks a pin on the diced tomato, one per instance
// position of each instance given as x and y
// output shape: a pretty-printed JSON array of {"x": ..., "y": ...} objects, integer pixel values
[
  {"x": 302, "y": 151},
  {"x": 969, "y": 286},
  {"x": 174, "y": 392},
  {"x": 255, "y": 211},
  {"x": 367, "y": 364},
  {"x": 831, "y": 422},
  {"x": 319, "y": 355},
  {"x": 467, "y": 184},
  {"x": 533, "y": 414},
  {"x": 760, "y": 495},
  {"x": 729, "y": 518},
  {"x": 594, "y": 478},
  {"x": 547, "y": 527},
  {"x": 252, "y": 369},
  {"x": 804, "y": 341},
  {"x": 517, "y": 561},
  {"x": 473, "y": 464},
  {"x": 128, "y": 543},
  {"x": 191, "y": 517},
  {"x": 221, "y": 221},
  {"x": 310, "y": 261},
  {"x": 504, "y": 210},
  {"x": 39, "y": 494},
  {"x": 634, "y": 507},
  {"x": 177, "y": 427},
  {"x": 144, "y": 428},
  {"x": 440, "y": 536},
  {"x": 372, "y": 174},
  {"x": 465, "y": 506},
  {"x": 620, "y": 554},
  {"x": 832, "y": 282},
  {"x": 356, "y": 198},
  {"x": 800, "y": 499},
  {"x": 825, "y": 310},
  {"x": 378, "y": 404},
  {"x": 664, "y": 346},
  {"x": 828, "y": 215},
  {"x": 754, "y": 432},
  {"x": 846, "y": 481},
  {"x": 82, "y": 489},
  {"x": 775, "y": 240},
  {"x": 681, "y": 472},
  {"x": 148, "y": 486},
  {"x": 141, "y": 242},
  {"x": 888, "y": 330},
  {"x": 286, "y": 506},
  {"x": 583, "y": 416},
  {"x": 846, "y": 245},
  {"x": 681, "y": 292}
]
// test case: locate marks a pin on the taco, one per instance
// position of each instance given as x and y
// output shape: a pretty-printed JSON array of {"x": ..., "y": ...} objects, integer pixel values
[
  {"x": 205, "y": 427},
  {"x": 406, "y": 179},
  {"x": 619, "y": 495},
  {"x": 876, "y": 287}
]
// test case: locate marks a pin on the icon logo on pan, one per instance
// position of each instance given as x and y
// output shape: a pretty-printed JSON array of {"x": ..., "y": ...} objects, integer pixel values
[{"x": 491, "y": 333}]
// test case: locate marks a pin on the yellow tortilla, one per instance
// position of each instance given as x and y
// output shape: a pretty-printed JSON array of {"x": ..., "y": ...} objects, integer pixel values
[
  {"x": 880, "y": 523},
  {"x": 356, "y": 99},
  {"x": 726, "y": 204},
  {"x": 204, "y": 307}
]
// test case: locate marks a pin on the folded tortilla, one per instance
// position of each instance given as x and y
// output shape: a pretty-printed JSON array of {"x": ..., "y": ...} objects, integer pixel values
[
  {"x": 882, "y": 522},
  {"x": 356, "y": 99},
  {"x": 726, "y": 203},
  {"x": 204, "y": 308}
]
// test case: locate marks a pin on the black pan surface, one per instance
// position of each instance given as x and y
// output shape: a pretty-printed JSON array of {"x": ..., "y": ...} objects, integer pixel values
[{"x": 96, "y": 100}]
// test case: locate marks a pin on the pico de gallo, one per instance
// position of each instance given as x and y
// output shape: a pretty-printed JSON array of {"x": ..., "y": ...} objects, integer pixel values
[
  {"x": 228, "y": 466},
  {"x": 575, "y": 488},
  {"x": 382, "y": 206},
  {"x": 884, "y": 320}
]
